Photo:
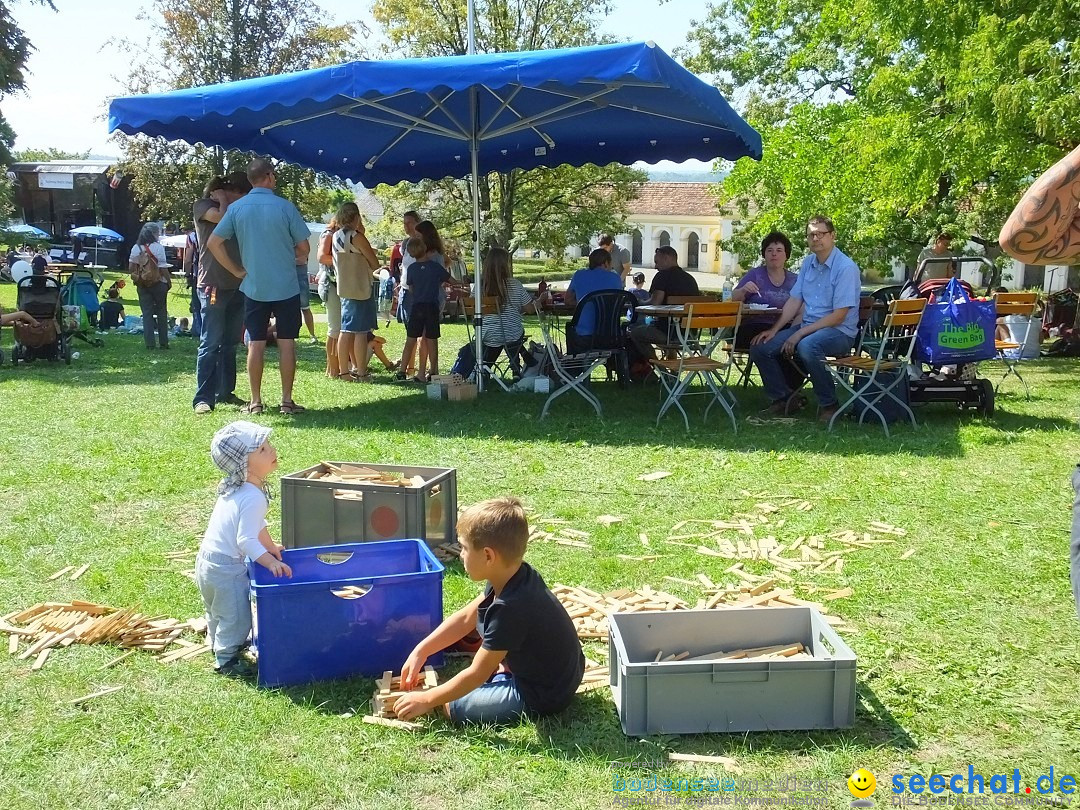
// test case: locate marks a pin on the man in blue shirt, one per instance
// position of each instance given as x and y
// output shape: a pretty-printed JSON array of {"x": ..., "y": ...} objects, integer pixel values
[
  {"x": 598, "y": 276},
  {"x": 827, "y": 293},
  {"x": 273, "y": 240}
]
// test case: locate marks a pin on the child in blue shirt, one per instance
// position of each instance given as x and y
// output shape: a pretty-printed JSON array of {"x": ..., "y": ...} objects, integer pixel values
[{"x": 425, "y": 280}]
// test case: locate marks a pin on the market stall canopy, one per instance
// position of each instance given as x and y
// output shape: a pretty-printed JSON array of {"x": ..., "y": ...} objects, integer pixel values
[{"x": 413, "y": 119}]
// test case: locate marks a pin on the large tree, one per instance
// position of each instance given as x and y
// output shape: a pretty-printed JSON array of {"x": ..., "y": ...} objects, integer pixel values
[
  {"x": 198, "y": 42},
  {"x": 15, "y": 50},
  {"x": 550, "y": 209},
  {"x": 898, "y": 119}
]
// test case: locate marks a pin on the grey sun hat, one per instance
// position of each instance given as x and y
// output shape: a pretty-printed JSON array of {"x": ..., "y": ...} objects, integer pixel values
[{"x": 230, "y": 448}]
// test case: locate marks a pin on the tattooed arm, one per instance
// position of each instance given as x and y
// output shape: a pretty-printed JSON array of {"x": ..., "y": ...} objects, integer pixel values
[{"x": 1044, "y": 228}]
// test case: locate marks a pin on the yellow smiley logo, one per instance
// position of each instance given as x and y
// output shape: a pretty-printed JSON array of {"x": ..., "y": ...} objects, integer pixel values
[{"x": 862, "y": 783}]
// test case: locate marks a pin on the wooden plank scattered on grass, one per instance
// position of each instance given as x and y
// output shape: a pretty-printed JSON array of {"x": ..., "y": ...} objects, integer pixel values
[
  {"x": 400, "y": 725},
  {"x": 39, "y": 662},
  {"x": 654, "y": 476},
  {"x": 66, "y": 569},
  {"x": 727, "y": 762},
  {"x": 81, "y": 570},
  {"x": 108, "y": 690}
]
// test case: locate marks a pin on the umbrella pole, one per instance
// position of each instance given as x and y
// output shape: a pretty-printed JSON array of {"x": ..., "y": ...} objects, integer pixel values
[
  {"x": 474, "y": 155},
  {"x": 478, "y": 273}
]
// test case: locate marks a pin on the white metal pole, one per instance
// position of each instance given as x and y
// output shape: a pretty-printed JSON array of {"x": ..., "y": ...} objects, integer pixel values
[{"x": 474, "y": 154}]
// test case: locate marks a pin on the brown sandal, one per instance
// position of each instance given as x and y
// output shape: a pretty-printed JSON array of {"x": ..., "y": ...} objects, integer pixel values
[
  {"x": 252, "y": 409},
  {"x": 288, "y": 407}
]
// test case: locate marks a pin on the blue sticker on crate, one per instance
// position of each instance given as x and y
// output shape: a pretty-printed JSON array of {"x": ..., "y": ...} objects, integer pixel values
[{"x": 355, "y": 609}]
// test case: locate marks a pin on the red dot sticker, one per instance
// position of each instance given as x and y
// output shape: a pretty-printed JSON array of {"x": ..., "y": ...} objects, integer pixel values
[{"x": 385, "y": 521}]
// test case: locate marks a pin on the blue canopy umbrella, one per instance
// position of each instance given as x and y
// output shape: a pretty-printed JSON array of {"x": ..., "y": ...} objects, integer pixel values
[
  {"x": 26, "y": 230},
  {"x": 99, "y": 234},
  {"x": 411, "y": 119}
]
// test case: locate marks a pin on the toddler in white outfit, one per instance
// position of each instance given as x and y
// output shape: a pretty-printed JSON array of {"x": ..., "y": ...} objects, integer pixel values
[{"x": 237, "y": 531}]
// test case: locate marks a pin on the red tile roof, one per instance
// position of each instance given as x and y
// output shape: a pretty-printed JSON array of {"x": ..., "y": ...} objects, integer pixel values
[{"x": 675, "y": 200}]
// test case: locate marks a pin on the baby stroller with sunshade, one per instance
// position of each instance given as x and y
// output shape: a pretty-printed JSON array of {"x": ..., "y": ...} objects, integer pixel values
[
  {"x": 79, "y": 304},
  {"x": 39, "y": 297}
]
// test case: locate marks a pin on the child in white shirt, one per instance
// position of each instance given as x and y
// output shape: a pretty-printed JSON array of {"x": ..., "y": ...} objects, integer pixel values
[{"x": 237, "y": 530}]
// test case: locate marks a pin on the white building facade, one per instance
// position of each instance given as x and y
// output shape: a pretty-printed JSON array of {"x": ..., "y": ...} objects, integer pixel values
[{"x": 683, "y": 216}]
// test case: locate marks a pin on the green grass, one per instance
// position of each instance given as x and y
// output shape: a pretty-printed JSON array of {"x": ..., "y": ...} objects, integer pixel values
[{"x": 967, "y": 651}]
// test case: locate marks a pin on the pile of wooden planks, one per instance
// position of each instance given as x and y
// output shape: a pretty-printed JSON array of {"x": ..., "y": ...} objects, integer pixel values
[
  {"x": 590, "y": 610},
  {"x": 355, "y": 474},
  {"x": 795, "y": 651},
  {"x": 48, "y": 625},
  {"x": 387, "y": 691},
  {"x": 595, "y": 677}
]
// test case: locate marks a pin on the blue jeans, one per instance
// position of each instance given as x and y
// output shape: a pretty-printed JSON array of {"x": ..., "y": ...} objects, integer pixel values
[
  {"x": 196, "y": 313},
  {"x": 811, "y": 352},
  {"x": 498, "y": 702},
  {"x": 215, "y": 367}
]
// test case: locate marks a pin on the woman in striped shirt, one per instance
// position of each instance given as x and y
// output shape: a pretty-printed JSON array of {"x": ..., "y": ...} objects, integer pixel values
[{"x": 505, "y": 329}]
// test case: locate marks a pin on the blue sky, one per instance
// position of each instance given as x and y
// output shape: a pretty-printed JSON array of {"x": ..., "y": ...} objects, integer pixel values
[{"x": 75, "y": 68}]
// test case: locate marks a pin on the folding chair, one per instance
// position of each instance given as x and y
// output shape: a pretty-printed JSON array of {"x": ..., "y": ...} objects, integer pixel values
[
  {"x": 696, "y": 358},
  {"x": 607, "y": 340},
  {"x": 873, "y": 380},
  {"x": 498, "y": 369},
  {"x": 1010, "y": 353}
]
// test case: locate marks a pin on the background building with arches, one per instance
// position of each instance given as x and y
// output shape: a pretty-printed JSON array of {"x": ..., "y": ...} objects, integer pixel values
[{"x": 684, "y": 216}]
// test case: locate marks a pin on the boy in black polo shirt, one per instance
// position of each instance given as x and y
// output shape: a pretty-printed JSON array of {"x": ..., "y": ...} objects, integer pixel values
[{"x": 530, "y": 661}]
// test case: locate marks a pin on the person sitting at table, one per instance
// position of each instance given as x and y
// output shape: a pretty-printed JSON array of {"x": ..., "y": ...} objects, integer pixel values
[
  {"x": 597, "y": 276},
  {"x": 768, "y": 284},
  {"x": 642, "y": 295},
  {"x": 505, "y": 329},
  {"x": 827, "y": 294},
  {"x": 670, "y": 280}
]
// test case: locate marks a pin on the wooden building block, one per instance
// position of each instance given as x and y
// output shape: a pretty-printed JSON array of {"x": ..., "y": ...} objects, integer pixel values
[{"x": 401, "y": 725}]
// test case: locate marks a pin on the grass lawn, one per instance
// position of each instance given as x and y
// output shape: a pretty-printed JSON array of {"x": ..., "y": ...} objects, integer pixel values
[{"x": 967, "y": 650}]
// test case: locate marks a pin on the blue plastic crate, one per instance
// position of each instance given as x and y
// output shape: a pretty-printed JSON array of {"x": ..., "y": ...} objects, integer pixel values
[{"x": 304, "y": 633}]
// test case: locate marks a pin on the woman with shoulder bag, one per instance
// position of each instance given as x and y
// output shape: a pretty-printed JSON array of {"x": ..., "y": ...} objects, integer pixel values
[
  {"x": 354, "y": 263},
  {"x": 148, "y": 255}
]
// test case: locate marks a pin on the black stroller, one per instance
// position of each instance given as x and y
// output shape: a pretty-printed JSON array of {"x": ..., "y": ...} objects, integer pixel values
[
  {"x": 39, "y": 297},
  {"x": 959, "y": 384}
]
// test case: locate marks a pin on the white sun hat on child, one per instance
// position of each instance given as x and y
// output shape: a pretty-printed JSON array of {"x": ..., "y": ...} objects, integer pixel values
[{"x": 230, "y": 448}]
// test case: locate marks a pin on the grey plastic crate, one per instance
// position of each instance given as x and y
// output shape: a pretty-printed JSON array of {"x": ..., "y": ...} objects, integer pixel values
[
  {"x": 689, "y": 697},
  {"x": 313, "y": 513}
]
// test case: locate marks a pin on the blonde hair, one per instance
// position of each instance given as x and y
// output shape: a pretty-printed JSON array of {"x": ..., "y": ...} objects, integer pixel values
[
  {"x": 416, "y": 247},
  {"x": 497, "y": 523},
  {"x": 348, "y": 217}
]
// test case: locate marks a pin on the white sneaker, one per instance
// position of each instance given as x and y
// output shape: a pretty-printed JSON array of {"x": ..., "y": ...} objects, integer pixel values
[{"x": 202, "y": 407}]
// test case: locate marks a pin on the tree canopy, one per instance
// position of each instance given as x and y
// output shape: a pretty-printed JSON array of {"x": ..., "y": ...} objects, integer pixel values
[
  {"x": 548, "y": 208},
  {"x": 896, "y": 119},
  {"x": 198, "y": 42}
]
